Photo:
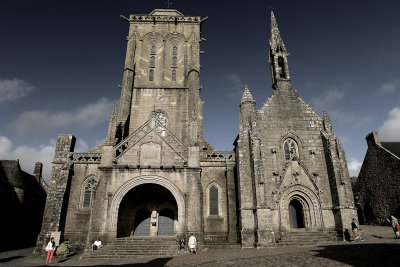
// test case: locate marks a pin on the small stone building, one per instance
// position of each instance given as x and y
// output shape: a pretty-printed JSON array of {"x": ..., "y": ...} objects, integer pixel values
[
  {"x": 22, "y": 201},
  {"x": 155, "y": 175},
  {"x": 378, "y": 183}
]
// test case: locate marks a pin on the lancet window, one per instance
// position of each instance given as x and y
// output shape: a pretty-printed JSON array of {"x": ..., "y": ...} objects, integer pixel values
[
  {"x": 213, "y": 195},
  {"x": 89, "y": 191}
]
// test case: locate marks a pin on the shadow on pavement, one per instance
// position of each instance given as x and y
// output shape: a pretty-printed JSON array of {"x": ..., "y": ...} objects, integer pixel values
[
  {"x": 10, "y": 258},
  {"x": 362, "y": 254},
  {"x": 152, "y": 263}
]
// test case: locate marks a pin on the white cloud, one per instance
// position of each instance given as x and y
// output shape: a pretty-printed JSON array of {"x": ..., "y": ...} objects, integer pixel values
[
  {"x": 81, "y": 146},
  {"x": 390, "y": 129},
  {"x": 13, "y": 89},
  {"x": 328, "y": 98},
  {"x": 41, "y": 121},
  {"x": 235, "y": 85},
  {"x": 389, "y": 87},
  {"x": 354, "y": 166},
  {"x": 29, "y": 155},
  {"x": 350, "y": 118}
]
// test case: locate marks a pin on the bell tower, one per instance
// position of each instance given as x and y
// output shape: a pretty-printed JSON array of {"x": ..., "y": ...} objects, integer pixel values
[
  {"x": 278, "y": 57},
  {"x": 161, "y": 76}
]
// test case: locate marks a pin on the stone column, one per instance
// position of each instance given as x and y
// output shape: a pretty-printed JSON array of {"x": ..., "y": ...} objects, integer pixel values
[
  {"x": 195, "y": 205},
  {"x": 54, "y": 217},
  {"x": 232, "y": 218}
]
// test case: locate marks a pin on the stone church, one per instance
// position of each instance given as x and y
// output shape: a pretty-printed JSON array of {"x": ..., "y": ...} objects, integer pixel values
[{"x": 155, "y": 175}]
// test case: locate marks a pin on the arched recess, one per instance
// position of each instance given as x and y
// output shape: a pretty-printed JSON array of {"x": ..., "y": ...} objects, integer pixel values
[
  {"x": 219, "y": 198},
  {"x": 310, "y": 204},
  {"x": 126, "y": 187},
  {"x": 298, "y": 141},
  {"x": 88, "y": 190}
]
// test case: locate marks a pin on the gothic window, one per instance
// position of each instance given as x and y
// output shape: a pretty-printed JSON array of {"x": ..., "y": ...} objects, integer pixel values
[
  {"x": 162, "y": 123},
  {"x": 281, "y": 64},
  {"x": 152, "y": 61},
  {"x": 153, "y": 50},
  {"x": 174, "y": 75},
  {"x": 151, "y": 75},
  {"x": 89, "y": 191},
  {"x": 174, "y": 62},
  {"x": 174, "y": 50},
  {"x": 213, "y": 194},
  {"x": 291, "y": 151}
]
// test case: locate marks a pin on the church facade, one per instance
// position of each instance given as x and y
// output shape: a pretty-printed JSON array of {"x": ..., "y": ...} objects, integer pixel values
[{"x": 155, "y": 175}]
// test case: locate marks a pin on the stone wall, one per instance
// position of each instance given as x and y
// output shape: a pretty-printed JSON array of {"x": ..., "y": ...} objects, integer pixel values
[{"x": 378, "y": 183}]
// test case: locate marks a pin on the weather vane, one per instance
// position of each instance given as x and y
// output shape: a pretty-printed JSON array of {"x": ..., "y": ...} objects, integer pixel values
[{"x": 168, "y": 3}]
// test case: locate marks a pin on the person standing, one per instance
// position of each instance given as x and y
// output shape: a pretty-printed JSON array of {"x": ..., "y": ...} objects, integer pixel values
[
  {"x": 192, "y": 244},
  {"x": 356, "y": 231},
  {"x": 50, "y": 248},
  {"x": 395, "y": 225}
]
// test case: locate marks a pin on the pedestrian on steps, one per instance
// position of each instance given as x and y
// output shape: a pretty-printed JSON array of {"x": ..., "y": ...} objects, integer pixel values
[{"x": 192, "y": 244}]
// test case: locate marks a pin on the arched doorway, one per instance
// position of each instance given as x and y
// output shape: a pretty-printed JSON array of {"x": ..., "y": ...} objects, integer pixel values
[
  {"x": 296, "y": 214},
  {"x": 147, "y": 210},
  {"x": 166, "y": 222}
]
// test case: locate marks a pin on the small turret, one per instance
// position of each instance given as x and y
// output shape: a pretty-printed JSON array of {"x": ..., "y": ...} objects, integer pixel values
[{"x": 247, "y": 109}]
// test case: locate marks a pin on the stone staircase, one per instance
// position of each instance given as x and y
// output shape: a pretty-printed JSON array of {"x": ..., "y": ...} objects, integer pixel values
[
  {"x": 134, "y": 247},
  {"x": 304, "y": 237}
]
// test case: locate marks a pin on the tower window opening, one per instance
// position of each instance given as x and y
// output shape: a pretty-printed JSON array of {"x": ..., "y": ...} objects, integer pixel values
[
  {"x": 153, "y": 50},
  {"x": 174, "y": 50},
  {"x": 151, "y": 76},
  {"x": 152, "y": 61},
  {"x": 174, "y": 75},
  {"x": 174, "y": 61},
  {"x": 281, "y": 64}
]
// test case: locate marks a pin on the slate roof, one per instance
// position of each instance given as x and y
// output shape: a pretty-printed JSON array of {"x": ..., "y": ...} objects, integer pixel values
[
  {"x": 393, "y": 147},
  {"x": 10, "y": 171}
]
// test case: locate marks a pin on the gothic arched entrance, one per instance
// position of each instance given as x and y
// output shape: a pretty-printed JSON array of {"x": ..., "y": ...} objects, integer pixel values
[
  {"x": 147, "y": 210},
  {"x": 296, "y": 215},
  {"x": 299, "y": 207}
]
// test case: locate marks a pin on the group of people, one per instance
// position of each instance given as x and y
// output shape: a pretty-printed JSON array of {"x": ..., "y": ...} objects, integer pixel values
[
  {"x": 192, "y": 244},
  {"x": 392, "y": 220}
]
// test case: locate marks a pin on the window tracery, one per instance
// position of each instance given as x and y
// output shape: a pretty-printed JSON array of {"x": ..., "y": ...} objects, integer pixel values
[
  {"x": 290, "y": 149},
  {"x": 89, "y": 191}
]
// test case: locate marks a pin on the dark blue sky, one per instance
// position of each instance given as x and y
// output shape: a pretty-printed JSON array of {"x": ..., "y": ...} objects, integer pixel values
[{"x": 61, "y": 61}]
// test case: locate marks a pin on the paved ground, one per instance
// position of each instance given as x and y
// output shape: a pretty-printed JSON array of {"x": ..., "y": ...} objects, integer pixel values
[{"x": 379, "y": 249}]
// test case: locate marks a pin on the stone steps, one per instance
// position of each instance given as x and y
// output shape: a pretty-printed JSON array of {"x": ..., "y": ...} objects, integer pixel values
[
  {"x": 304, "y": 238},
  {"x": 132, "y": 247}
]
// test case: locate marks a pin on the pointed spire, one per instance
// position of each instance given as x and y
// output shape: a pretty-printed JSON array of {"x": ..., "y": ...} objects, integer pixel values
[
  {"x": 278, "y": 57},
  {"x": 274, "y": 27},
  {"x": 246, "y": 97},
  {"x": 114, "y": 111}
]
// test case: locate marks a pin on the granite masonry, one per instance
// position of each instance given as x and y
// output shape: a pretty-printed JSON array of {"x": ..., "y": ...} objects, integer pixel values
[
  {"x": 378, "y": 184},
  {"x": 22, "y": 201},
  {"x": 155, "y": 175}
]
